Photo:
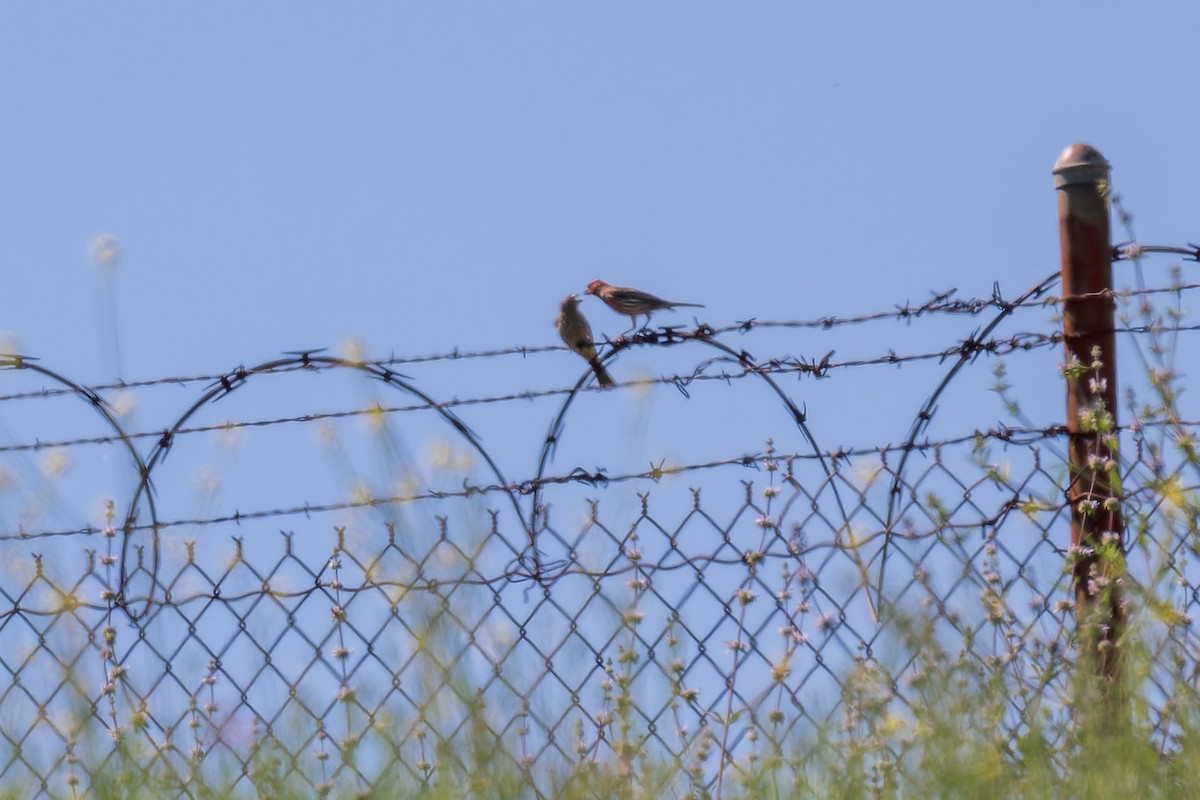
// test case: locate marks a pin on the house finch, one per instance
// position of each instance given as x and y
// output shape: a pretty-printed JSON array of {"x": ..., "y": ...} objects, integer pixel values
[
  {"x": 631, "y": 302},
  {"x": 574, "y": 329}
]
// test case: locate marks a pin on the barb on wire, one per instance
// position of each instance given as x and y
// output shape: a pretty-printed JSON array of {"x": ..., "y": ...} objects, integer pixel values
[{"x": 1131, "y": 251}]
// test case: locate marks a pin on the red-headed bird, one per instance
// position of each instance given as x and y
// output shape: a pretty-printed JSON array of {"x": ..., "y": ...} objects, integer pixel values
[{"x": 631, "y": 302}]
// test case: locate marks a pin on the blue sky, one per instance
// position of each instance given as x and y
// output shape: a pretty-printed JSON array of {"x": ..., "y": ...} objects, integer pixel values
[{"x": 423, "y": 176}]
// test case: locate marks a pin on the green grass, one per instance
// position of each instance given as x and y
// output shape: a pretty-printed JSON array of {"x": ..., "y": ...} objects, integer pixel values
[{"x": 954, "y": 727}]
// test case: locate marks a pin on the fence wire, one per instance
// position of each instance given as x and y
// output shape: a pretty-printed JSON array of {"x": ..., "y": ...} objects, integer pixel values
[{"x": 691, "y": 613}]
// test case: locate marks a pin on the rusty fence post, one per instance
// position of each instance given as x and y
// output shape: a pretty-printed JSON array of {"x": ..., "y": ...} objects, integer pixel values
[{"x": 1081, "y": 181}]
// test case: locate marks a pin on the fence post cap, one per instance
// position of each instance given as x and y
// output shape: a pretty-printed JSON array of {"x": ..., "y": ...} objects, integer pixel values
[{"x": 1080, "y": 163}]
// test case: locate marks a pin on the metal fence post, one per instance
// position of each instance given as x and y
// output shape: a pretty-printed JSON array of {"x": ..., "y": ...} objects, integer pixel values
[{"x": 1081, "y": 178}]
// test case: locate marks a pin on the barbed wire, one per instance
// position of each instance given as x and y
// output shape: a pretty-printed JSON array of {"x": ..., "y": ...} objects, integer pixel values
[
  {"x": 1020, "y": 342},
  {"x": 1016, "y": 435},
  {"x": 716, "y": 368},
  {"x": 943, "y": 302},
  {"x": 549, "y": 587},
  {"x": 775, "y": 366}
]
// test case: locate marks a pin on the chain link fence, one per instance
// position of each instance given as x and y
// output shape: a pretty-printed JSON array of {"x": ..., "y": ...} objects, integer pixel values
[{"x": 692, "y": 614}]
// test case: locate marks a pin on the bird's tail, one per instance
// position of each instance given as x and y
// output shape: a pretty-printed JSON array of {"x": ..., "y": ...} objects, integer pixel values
[
  {"x": 602, "y": 376},
  {"x": 688, "y": 305}
]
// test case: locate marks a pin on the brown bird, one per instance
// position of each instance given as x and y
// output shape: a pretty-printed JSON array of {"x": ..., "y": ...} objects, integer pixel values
[
  {"x": 632, "y": 302},
  {"x": 577, "y": 334}
]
